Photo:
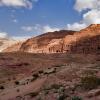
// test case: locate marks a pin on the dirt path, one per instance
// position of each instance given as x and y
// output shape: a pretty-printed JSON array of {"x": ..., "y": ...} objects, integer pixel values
[{"x": 24, "y": 89}]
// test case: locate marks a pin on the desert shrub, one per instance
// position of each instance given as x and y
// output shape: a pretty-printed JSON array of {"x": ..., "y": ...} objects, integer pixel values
[
  {"x": 41, "y": 71},
  {"x": 18, "y": 90},
  {"x": 9, "y": 79},
  {"x": 39, "y": 98},
  {"x": 2, "y": 87},
  {"x": 47, "y": 87},
  {"x": 32, "y": 79},
  {"x": 76, "y": 98},
  {"x": 49, "y": 71},
  {"x": 35, "y": 76},
  {"x": 61, "y": 89},
  {"x": 46, "y": 92},
  {"x": 17, "y": 82},
  {"x": 55, "y": 86},
  {"x": 61, "y": 96},
  {"x": 90, "y": 82},
  {"x": 89, "y": 73},
  {"x": 58, "y": 65},
  {"x": 33, "y": 94}
]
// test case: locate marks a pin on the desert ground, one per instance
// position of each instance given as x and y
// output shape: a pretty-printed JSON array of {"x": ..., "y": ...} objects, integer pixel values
[{"x": 27, "y": 76}]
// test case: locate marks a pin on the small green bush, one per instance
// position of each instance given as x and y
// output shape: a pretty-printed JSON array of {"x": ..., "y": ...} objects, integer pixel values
[
  {"x": 61, "y": 97},
  {"x": 55, "y": 86},
  {"x": 90, "y": 82},
  {"x": 76, "y": 98}
]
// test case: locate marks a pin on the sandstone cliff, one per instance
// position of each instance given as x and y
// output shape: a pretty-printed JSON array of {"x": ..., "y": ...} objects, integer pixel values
[
  {"x": 85, "y": 41},
  {"x": 40, "y": 43}
]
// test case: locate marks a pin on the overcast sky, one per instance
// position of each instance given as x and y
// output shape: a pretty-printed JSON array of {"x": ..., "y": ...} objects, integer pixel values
[{"x": 25, "y": 18}]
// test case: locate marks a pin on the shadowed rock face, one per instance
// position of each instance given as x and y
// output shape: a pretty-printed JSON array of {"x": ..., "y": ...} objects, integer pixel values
[
  {"x": 84, "y": 41},
  {"x": 88, "y": 45}
]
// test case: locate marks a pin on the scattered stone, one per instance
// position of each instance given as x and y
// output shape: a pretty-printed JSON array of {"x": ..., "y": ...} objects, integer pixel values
[
  {"x": 93, "y": 93},
  {"x": 49, "y": 71}
]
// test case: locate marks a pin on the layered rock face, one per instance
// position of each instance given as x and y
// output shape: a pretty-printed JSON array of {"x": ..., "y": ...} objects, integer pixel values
[
  {"x": 41, "y": 43},
  {"x": 87, "y": 45},
  {"x": 85, "y": 41}
]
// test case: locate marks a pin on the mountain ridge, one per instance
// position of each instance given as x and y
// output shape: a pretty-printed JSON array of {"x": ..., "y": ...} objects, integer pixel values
[{"x": 59, "y": 41}]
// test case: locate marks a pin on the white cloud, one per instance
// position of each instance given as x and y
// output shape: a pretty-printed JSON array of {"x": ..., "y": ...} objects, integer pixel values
[
  {"x": 44, "y": 29},
  {"x": 16, "y": 38},
  {"x": 49, "y": 29},
  {"x": 76, "y": 26},
  {"x": 38, "y": 29},
  {"x": 15, "y": 20},
  {"x": 3, "y": 35},
  {"x": 81, "y": 5},
  {"x": 92, "y": 16},
  {"x": 27, "y": 28},
  {"x": 20, "y": 38},
  {"x": 17, "y": 3}
]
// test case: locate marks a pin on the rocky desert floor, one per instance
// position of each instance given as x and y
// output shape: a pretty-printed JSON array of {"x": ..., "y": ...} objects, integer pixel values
[{"x": 27, "y": 76}]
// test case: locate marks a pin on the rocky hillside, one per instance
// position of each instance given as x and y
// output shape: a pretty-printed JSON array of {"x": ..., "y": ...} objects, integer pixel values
[
  {"x": 5, "y": 42},
  {"x": 39, "y": 44},
  {"x": 28, "y": 76},
  {"x": 84, "y": 41},
  {"x": 13, "y": 48}
]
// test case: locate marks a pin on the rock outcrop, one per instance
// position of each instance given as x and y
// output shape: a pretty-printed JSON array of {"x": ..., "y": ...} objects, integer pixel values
[
  {"x": 85, "y": 41},
  {"x": 13, "y": 48},
  {"x": 41, "y": 43},
  {"x": 6, "y": 42}
]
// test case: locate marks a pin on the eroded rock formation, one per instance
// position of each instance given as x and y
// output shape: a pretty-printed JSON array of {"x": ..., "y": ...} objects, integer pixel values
[
  {"x": 41, "y": 43},
  {"x": 13, "y": 48},
  {"x": 84, "y": 41}
]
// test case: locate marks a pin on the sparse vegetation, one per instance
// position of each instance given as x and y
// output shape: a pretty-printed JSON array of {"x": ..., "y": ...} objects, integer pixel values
[
  {"x": 52, "y": 84},
  {"x": 50, "y": 71},
  {"x": 55, "y": 86},
  {"x": 61, "y": 96},
  {"x": 41, "y": 71},
  {"x": 90, "y": 82},
  {"x": 33, "y": 94},
  {"x": 17, "y": 82},
  {"x": 2, "y": 88},
  {"x": 18, "y": 90},
  {"x": 58, "y": 65},
  {"x": 76, "y": 98},
  {"x": 35, "y": 76}
]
